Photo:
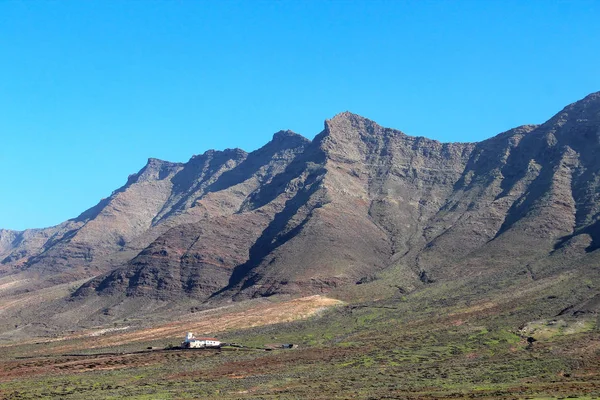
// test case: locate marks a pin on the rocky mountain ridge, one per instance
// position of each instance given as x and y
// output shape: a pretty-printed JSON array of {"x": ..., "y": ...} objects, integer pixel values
[{"x": 357, "y": 204}]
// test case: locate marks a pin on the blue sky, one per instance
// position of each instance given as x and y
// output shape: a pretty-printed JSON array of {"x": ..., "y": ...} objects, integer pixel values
[{"x": 89, "y": 90}]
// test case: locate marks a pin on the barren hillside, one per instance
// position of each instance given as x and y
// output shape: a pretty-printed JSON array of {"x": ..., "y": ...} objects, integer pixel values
[{"x": 360, "y": 205}]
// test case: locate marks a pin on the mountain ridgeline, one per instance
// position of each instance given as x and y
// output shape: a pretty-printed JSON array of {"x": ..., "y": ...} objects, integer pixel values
[{"x": 359, "y": 203}]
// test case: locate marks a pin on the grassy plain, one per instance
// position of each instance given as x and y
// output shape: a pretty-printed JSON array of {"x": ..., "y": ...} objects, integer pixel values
[{"x": 460, "y": 340}]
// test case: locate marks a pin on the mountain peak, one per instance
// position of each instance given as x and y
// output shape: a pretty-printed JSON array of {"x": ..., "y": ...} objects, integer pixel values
[
  {"x": 590, "y": 103},
  {"x": 591, "y": 97},
  {"x": 235, "y": 152},
  {"x": 286, "y": 139},
  {"x": 578, "y": 119},
  {"x": 346, "y": 122},
  {"x": 155, "y": 169},
  {"x": 349, "y": 117},
  {"x": 285, "y": 135}
]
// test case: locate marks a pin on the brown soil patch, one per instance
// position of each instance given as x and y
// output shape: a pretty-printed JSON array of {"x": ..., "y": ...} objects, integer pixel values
[
  {"x": 74, "y": 364},
  {"x": 207, "y": 322}
]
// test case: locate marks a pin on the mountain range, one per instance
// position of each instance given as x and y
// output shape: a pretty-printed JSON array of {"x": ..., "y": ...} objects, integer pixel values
[{"x": 361, "y": 210}]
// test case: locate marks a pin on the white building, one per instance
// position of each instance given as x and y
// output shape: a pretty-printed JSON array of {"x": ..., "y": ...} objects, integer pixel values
[{"x": 192, "y": 342}]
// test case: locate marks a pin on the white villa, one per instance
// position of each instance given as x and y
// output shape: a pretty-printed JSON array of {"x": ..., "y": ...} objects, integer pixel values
[{"x": 192, "y": 342}]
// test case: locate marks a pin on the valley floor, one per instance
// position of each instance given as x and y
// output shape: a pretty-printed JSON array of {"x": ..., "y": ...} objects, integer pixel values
[{"x": 397, "y": 348}]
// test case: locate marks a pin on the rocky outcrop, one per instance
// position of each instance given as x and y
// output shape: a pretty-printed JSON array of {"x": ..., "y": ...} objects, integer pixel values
[{"x": 205, "y": 235}]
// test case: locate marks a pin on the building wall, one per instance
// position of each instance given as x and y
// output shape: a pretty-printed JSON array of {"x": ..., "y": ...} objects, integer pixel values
[{"x": 204, "y": 343}]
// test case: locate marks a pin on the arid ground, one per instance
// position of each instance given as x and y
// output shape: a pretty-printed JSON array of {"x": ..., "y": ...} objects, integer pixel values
[{"x": 421, "y": 346}]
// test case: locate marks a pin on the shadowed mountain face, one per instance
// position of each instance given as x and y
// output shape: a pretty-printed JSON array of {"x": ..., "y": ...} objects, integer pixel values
[{"x": 354, "y": 205}]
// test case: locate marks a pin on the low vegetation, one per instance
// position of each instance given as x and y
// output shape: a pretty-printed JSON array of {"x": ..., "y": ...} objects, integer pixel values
[{"x": 428, "y": 344}]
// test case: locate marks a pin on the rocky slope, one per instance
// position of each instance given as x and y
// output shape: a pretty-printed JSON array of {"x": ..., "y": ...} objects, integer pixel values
[{"x": 359, "y": 203}]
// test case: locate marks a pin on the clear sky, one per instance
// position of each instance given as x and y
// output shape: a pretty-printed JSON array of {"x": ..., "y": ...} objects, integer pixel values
[{"x": 90, "y": 89}]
